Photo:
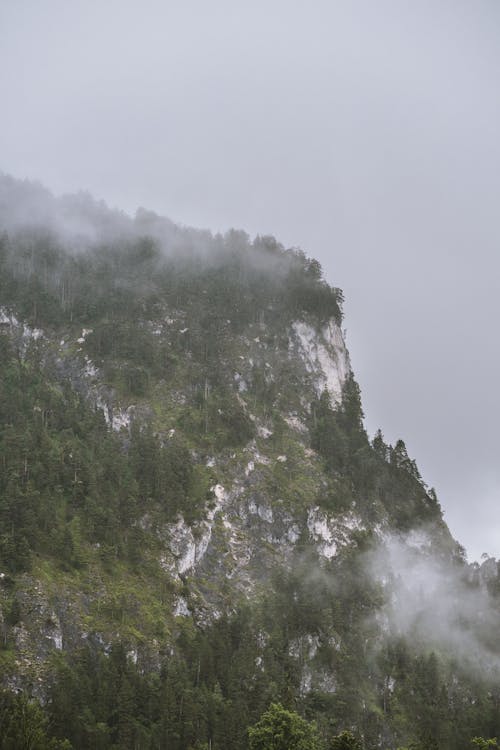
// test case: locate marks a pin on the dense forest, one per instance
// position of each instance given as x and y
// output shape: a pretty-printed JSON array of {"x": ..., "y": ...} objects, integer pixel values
[{"x": 200, "y": 546}]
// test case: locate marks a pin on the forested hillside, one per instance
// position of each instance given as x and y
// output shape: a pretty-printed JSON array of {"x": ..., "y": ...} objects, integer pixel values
[{"x": 200, "y": 546}]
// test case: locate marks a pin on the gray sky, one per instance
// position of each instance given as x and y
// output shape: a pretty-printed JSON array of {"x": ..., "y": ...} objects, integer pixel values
[{"x": 365, "y": 132}]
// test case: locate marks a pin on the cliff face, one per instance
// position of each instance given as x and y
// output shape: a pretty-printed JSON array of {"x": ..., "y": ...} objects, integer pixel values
[{"x": 183, "y": 457}]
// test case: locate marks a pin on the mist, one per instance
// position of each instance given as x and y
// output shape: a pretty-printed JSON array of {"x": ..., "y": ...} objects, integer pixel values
[
  {"x": 437, "y": 602},
  {"x": 79, "y": 223}
]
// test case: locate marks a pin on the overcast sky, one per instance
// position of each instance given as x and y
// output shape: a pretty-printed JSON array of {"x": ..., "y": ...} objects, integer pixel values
[{"x": 368, "y": 133}]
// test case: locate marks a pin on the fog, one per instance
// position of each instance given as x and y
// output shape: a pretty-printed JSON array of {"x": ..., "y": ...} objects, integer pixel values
[
  {"x": 436, "y": 603},
  {"x": 366, "y": 133},
  {"x": 80, "y": 223}
]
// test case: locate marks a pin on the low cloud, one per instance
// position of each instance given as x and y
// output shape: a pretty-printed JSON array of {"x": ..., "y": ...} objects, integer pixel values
[{"x": 437, "y": 602}]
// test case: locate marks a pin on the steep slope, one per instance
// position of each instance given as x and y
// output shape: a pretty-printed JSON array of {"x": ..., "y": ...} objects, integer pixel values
[{"x": 194, "y": 522}]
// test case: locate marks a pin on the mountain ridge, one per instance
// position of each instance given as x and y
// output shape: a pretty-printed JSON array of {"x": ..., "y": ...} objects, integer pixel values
[{"x": 184, "y": 457}]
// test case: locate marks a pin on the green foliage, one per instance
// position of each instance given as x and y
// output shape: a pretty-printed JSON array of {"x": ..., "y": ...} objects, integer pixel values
[
  {"x": 166, "y": 475},
  {"x": 24, "y": 725},
  {"x": 379, "y": 474},
  {"x": 58, "y": 463},
  {"x": 280, "y": 729},
  {"x": 111, "y": 287},
  {"x": 345, "y": 741}
]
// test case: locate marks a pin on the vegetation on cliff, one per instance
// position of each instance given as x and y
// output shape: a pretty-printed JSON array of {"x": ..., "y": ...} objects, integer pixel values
[{"x": 194, "y": 524}]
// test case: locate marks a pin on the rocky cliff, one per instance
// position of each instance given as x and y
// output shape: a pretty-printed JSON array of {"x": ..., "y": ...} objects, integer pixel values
[{"x": 189, "y": 498}]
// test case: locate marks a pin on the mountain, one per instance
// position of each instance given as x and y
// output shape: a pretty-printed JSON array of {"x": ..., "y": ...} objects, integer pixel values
[{"x": 194, "y": 523}]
